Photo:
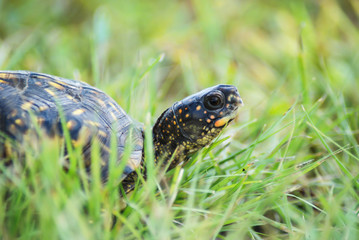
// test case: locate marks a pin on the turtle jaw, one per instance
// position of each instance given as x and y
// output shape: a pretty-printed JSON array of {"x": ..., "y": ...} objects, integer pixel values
[{"x": 221, "y": 122}]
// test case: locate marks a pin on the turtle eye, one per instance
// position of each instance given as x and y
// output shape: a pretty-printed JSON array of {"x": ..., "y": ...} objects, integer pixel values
[{"x": 214, "y": 101}]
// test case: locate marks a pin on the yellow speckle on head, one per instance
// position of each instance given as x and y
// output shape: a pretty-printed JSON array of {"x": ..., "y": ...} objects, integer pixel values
[
  {"x": 200, "y": 120},
  {"x": 78, "y": 112},
  {"x": 56, "y": 85},
  {"x": 49, "y": 91},
  {"x": 180, "y": 120},
  {"x": 70, "y": 124},
  {"x": 169, "y": 126},
  {"x": 26, "y": 105},
  {"x": 19, "y": 122},
  {"x": 180, "y": 111},
  {"x": 186, "y": 109},
  {"x": 184, "y": 124},
  {"x": 208, "y": 120},
  {"x": 174, "y": 122},
  {"x": 198, "y": 108},
  {"x": 187, "y": 115},
  {"x": 212, "y": 117},
  {"x": 205, "y": 112},
  {"x": 166, "y": 119}
]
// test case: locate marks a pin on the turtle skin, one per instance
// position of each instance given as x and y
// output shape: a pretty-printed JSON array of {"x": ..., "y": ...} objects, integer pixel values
[{"x": 30, "y": 101}]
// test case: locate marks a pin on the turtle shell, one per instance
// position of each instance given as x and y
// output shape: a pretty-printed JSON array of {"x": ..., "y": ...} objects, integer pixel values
[{"x": 87, "y": 112}]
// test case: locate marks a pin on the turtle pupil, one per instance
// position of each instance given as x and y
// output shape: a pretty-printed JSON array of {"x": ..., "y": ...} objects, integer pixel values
[{"x": 213, "y": 101}]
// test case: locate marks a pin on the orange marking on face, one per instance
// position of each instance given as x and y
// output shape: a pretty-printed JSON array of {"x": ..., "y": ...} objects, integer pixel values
[
  {"x": 220, "y": 123},
  {"x": 56, "y": 85}
]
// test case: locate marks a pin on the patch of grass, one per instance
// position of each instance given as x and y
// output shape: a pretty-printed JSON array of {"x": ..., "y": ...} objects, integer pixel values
[{"x": 288, "y": 168}]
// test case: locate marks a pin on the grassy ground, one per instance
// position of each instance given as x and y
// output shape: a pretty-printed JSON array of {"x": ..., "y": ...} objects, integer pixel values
[{"x": 288, "y": 169}]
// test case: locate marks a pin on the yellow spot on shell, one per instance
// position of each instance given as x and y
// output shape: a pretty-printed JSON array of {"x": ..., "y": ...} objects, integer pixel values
[
  {"x": 102, "y": 133},
  {"x": 12, "y": 128},
  {"x": 208, "y": 120},
  {"x": 187, "y": 115},
  {"x": 26, "y": 105},
  {"x": 180, "y": 111},
  {"x": 49, "y": 91},
  {"x": 40, "y": 120},
  {"x": 43, "y": 108},
  {"x": 198, "y": 108},
  {"x": 19, "y": 122},
  {"x": 78, "y": 112},
  {"x": 212, "y": 117},
  {"x": 56, "y": 85},
  {"x": 70, "y": 124},
  {"x": 13, "y": 113},
  {"x": 2, "y": 81},
  {"x": 113, "y": 115}
]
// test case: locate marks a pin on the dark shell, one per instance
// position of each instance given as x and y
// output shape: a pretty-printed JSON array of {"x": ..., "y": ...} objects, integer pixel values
[{"x": 89, "y": 114}]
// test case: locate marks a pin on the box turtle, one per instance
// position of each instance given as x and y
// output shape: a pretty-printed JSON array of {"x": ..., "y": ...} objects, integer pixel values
[{"x": 31, "y": 100}]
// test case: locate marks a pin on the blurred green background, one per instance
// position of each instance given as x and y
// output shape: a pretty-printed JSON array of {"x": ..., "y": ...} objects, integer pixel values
[{"x": 299, "y": 56}]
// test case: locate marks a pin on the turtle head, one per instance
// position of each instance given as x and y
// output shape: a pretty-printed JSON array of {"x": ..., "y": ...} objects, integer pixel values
[{"x": 192, "y": 123}]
